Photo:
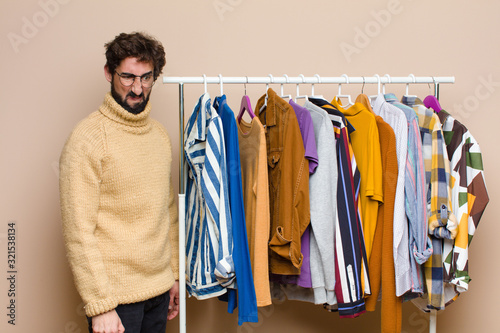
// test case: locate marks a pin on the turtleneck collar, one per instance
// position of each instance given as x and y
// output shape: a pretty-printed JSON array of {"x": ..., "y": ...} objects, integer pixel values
[{"x": 114, "y": 111}]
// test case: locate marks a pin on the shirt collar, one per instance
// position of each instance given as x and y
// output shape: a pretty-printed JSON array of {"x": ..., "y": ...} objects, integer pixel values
[
  {"x": 351, "y": 111},
  {"x": 379, "y": 102},
  {"x": 196, "y": 128},
  {"x": 391, "y": 98},
  {"x": 273, "y": 102},
  {"x": 219, "y": 102}
]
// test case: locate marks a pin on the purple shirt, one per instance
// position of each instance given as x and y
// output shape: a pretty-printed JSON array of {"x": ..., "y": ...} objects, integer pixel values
[{"x": 307, "y": 131}]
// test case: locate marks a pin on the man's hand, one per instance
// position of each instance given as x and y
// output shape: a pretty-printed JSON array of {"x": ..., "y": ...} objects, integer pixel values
[
  {"x": 173, "y": 306},
  {"x": 108, "y": 322}
]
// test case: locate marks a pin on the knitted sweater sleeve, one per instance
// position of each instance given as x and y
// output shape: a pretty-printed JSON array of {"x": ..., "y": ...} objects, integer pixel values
[
  {"x": 79, "y": 182},
  {"x": 173, "y": 213},
  {"x": 173, "y": 232}
]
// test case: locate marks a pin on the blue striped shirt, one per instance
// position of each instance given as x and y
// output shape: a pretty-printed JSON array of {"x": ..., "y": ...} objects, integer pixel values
[{"x": 209, "y": 242}]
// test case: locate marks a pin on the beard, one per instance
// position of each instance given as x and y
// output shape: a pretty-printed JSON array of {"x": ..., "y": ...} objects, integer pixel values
[{"x": 136, "y": 109}]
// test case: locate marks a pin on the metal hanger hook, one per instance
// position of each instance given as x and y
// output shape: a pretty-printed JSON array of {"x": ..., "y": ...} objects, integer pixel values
[{"x": 205, "y": 82}]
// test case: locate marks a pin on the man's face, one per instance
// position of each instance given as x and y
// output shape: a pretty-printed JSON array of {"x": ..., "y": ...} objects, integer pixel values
[{"x": 135, "y": 97}]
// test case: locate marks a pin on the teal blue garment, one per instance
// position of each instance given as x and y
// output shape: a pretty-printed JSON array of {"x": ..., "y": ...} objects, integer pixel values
[{"x": 245, "y": 294}]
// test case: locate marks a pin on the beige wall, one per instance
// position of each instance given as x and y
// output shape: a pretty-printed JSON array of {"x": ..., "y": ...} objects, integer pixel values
[{"x": 52, "y": 76}]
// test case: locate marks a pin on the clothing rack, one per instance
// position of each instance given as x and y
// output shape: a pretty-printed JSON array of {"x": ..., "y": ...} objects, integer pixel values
[{"x": 270, "y": 79}]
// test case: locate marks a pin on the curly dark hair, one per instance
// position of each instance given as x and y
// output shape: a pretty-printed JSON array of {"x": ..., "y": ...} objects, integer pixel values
[{"x": 138, "y": 45}]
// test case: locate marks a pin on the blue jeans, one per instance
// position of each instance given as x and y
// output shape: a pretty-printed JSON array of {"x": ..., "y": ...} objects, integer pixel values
[{"x": 149, "y": 316}]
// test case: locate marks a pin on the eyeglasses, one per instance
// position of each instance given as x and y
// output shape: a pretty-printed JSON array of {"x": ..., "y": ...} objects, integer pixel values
[{"x": 127, "y": 79}]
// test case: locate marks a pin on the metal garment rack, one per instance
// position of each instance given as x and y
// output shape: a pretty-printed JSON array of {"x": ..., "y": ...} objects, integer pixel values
[{"x": 301, "y": 79}]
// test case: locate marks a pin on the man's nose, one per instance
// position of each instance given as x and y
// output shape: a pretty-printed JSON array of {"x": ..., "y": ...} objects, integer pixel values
[{"x": 137, "y": 86}]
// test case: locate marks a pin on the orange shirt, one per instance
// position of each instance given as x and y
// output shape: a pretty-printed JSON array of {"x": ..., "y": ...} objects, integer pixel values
[
  {"x": 382, "y": 270},
  {"x": 253, "y": 159}
]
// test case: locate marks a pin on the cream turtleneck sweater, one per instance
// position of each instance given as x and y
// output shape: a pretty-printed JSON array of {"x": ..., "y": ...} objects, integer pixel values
[{"x": 119, "y": 216}]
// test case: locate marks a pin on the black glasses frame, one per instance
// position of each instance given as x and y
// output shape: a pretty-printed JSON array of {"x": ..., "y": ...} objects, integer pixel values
[{"x": 141, "y": 78}]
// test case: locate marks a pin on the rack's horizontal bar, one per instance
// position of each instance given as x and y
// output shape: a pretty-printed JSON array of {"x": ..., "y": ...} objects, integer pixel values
[{"x": 308, "y": 80}]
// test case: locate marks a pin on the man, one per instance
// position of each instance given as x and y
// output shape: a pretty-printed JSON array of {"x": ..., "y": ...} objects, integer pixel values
[{"x": 119, "y": 216}]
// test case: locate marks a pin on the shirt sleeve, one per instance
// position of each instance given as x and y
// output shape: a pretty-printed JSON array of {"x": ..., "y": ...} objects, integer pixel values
[
  {"x": 215, "y": 190},
  {"x": 375, "y": 188},
  {"x": 442, "y": 222}
]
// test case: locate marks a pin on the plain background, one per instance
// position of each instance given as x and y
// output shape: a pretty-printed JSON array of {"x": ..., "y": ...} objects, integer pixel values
[{"x": 52, "y": 59}]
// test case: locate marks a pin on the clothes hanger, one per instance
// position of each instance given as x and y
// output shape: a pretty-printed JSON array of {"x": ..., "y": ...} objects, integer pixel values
[
  {"x": 363, "y": 99},
  {"x": 362, "y": 95},
  {"x": 205, "y": 82},
  {"x": 312, "y": 89},
  {"x": 245, "y": 105},
  {"x": 265, "y": 100},
  {"x": 298, "y": 96},
  {"x": 221, "y": 87},
  {"x": 407, "y": 85},
  {"x": 374, "y": 97},
  {"x": 216, "y": 100},
  {"x": 339, "y": 95},
  {"x": 431, "y": 102},
  {"x": 282, "y": 94},
  {"x": 388, "y": 81}
]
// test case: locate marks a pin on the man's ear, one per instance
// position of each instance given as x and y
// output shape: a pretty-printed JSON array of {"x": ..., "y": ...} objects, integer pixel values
[{"x": 107, "y": 74}]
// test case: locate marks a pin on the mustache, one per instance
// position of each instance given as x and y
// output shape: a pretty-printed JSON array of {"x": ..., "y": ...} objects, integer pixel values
[{"x": 134, "y": 95}]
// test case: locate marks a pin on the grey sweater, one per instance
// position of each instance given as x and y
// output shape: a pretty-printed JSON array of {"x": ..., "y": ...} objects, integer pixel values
[{"x": 323, "y": 205}]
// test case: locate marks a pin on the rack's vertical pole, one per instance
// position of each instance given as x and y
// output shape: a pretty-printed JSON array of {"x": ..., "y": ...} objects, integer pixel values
[
  {"x": 433, "y": 314},
  {"x": 181, "y": 138},
  {"x": 182, "y": 217},
  {"x": 433, "y": 321}
]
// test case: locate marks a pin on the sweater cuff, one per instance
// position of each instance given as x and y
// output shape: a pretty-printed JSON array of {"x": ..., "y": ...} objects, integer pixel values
[
  {"x": 98, "y": 307},
  {"x": 174, "y": 265},
  {"x": 175, "y": 271}
]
